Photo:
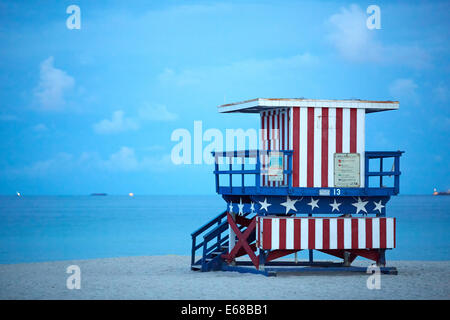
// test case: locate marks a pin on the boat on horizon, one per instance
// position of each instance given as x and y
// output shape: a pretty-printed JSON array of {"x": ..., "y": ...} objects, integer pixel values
[
  {"x": 441, "y": 193},
  {"x": 99, "y": 194}
]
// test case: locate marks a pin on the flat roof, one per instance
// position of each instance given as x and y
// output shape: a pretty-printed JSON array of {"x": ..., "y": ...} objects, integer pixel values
[{"x": 260, "y": 104}]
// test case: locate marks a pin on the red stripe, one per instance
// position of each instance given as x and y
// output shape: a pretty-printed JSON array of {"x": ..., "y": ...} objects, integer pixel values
[
  {"x": 311, "y": 233},
  {"x": 282, "y": 233},
  {"x": 340, "y": 233},
  {"x": 369, "y": 233},
  {"x": 326, "y": 234},
  {"x": 296, "y": 164},
  {"x": 338, "y": 130},
  {"x": 354, "y": 233},
  {"x": 310, "y": 174},
  {"x": 382, "y": 232},
  {"x": 297, "y": 231},
  {"x": 267, "y": 233},
  {"x": 258, "y": 219},
  {"x": 324, "y": 147},
  {"x": 353, "y": 127},
  {"x": 279, "y": 131}
]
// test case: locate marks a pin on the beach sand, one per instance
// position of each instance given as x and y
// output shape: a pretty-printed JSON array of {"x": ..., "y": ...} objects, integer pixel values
[{"x": 170, "y": 277}]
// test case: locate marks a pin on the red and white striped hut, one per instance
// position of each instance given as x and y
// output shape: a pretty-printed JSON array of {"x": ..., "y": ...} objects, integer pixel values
[{"x": 315, "y": 130}]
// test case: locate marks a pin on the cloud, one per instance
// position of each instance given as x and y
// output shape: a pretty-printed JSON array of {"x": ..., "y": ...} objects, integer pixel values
[
  {"x": 404, "y": 89},
  {"x": 117, "y": 123},
  {"x": 53, "y": 85},
  {"x": 254, "y": 68},
  {"x": 441, "y": 93},
  {"x": 40, "y": 127},
  {"x": 355, "y": 42},
  {"x": 123, "y": 160},
  {"x": 8, "y": 117},
  {"x": 156, "y": 113}
]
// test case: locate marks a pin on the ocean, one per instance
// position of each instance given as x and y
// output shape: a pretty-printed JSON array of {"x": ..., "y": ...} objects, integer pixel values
[{"x": 50, "y": 228}]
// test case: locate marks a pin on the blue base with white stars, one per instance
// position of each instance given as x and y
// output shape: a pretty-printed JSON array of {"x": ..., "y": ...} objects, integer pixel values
[{"x": 276, "y": 205}]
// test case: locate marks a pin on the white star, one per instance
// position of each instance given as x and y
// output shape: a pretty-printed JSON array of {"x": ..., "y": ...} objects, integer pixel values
[
  {"x": 378, "y": 206},
  {"x": 313, "y": 203},
  {"x": 360, "y": 205},
  {"x": 264, "y": 205},
  {"x": 289, "y": 204},
  {"x": 335, "y": 205},
  {"x": 252, "y": 207},
  {"x": 230, "y": 207},
  {"x": 241, "y": 207}
]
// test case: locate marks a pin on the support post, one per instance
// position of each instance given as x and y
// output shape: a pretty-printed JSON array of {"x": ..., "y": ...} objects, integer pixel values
[{"x": 231, "y": 236}]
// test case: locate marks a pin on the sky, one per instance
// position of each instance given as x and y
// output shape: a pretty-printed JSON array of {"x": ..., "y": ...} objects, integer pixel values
[{"x": 93, "y": 109}]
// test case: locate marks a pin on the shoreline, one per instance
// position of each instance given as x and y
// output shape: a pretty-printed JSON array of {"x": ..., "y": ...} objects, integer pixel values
[{"x": 170, "y": 277}]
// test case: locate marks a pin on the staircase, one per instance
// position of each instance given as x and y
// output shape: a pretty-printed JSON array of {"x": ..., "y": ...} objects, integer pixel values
[{"x": 215, "y": 232}]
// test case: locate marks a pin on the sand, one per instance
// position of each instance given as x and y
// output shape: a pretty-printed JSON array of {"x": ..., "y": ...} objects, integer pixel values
[{"x": 170, "y": 277}]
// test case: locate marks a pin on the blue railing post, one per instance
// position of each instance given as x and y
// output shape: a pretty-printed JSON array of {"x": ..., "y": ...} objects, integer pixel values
[
  {"x": 242, "y": 168},
  {"x": 258, "y": 172},
  {"x": 290, "y": 172},
  {"x": 366, "y": 173},
  {"x": 397, "y": 173},
  {"x": 231, "y": 175},
  {"x": 216, "y": 169},
  {"x": 381, "y": 170},
  {"x": 193, "y": 250}
]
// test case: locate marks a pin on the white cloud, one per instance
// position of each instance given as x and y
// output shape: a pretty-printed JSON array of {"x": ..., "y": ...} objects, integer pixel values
[
  {"x": 53, "y": 85},
  {"x": 123, "y": 160},
  {"x": 441, "y": 93},
  {"x": 117, "y": 123},
  {"x": 8, "y": 117},
  {"x": 40, "y": 127},
  {"x": 355, "y": 42},
  {"x": 253, "y": 68},
  {"x": 404, "y": 90},
  {"x": 156, "y": 113}
]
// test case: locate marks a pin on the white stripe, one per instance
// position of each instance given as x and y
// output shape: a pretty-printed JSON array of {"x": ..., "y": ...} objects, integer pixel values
[
  {"x": 345, "y": 130},
  {"x": 347, "y": 233},
  {"x": 375, "y": 233},
  {"x": 317, "y": 147},
  {"x": 361, "y": 233},
  {"x": 275, "y": 233},
  {"x": 303, "y": 233},
  {"x": 331, "y": 144},
  {"x": 289, "y": 233},
  {"x": 333, "y": 233},
  {"x": 303, "y": 150},
  {"x": 360, "y": 140},
  {"x": 291, "y": 130},
  {"x": 319, "y": 234},
  {"x": 389, "y": 232}
]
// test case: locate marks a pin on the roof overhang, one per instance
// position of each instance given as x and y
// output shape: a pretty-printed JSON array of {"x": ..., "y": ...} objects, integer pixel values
[{"x": 261, "y": 104}]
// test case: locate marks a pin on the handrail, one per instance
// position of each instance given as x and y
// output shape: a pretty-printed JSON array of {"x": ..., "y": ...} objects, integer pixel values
[
  {"x": 209, "y": 224},
  {"x": 257, "y": 171}
]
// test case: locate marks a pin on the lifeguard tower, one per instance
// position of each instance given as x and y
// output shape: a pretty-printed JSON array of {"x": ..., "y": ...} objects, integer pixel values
[{"x": 311, "y": 185}]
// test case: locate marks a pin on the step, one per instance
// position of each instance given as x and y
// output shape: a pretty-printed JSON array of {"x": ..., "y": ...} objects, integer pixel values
[{"x": 196, "y": 268}]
